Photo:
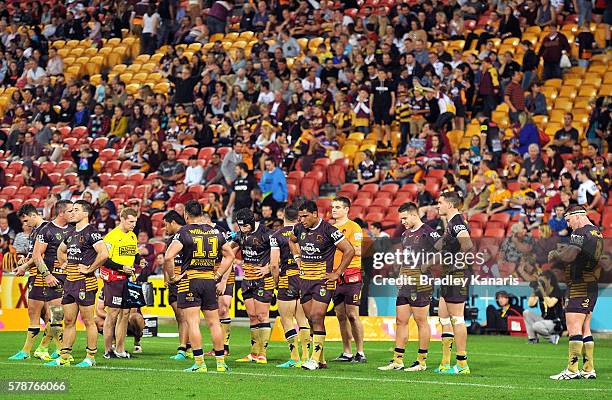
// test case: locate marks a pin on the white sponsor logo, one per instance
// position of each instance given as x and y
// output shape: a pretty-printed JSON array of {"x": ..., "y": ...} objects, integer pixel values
[
  {"x": 310, "y": 249},
  {"x": 117, "y": 300},
  {"x": 459, "y": 228},
  {"x": 73, "y": 250}
]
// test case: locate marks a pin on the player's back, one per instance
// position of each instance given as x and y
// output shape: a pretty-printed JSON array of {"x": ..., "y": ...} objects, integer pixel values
[
  {"x": 201, "y": 247},
  {"x": 586, "y": 267}
]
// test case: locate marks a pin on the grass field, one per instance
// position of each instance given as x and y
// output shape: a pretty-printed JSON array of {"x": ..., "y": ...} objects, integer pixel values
[{"x": 502, "y": 368}]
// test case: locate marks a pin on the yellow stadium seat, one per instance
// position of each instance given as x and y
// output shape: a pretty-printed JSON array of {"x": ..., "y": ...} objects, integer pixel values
[
  {"x": 134, "y": 68},
  {"x": 540, "y": 120},
  {"x": 605, "y": 90},
  {"x": 155, "y": 77},
  {"x": 126, "y": 77},
  {"x": 90, "y": 52},
  {"x": 512, "y": 41},
  {"x": 119, "y": 68},
  {"x": 113, "y": 42},
  {"x": 141, "y": 59},
  {"x": 58, "y": 44},
  {"x": 608, "y": 77},
  {"x": 82, "y": 60},
  {"x": 68, "y": 61},
  {"x": 582, "y": 118},
  {"x": 148, "y": 67},
  {"x": 140, "y": 77},
  {"x": 556, "y": 116},
  {"x": 555, "y": 83},
  {"x": 155, "y": 58},
  {"x": 246, "y": 35},
  {"x": 603, "y": 58},
  {"x": 583, "y": 104},
  {"x": 105, "y": 51},
  {"x": 577, "y": 70},
  {"x": 128, "y": 41},
  {"x": 599, "y": 69},
  {"x": 72, "y": 44},
  {"x": 194, "y": 47},
  {"x": 549, "y": 92},
  {"x": 454, "y": 137},
  {"x": 533, "y": 29},
  {"x": 592, "y": 80},
  {"x": 587, "y": 91},
  {"x": 231, "y": 37},
  {"x": 472, "y": 129},
  {"x": 208, "y": 46},
  {"x": 568, "y": 92},
  {"x": 356, "y": 136},
  {"x": 303, "y": 42},
  {"x": 73, "y": 71},
  {"x": 239, "y": 44},
  {"x": 215, "y": 37},
  {"x": 162, "y": 87},
  {"x": 563, "y": 104},
  {"x": 116, "y": 56},
  {"x": 188, "y": 55},
  {"x": 63, "y": 52},
  {"x": 132, "y": 88},
  {"x": 572, "y": 82},
  {"x": 95, "y": 79},
  {"x": 315, "y": 42},
  {"x": 227, "y": 45}
]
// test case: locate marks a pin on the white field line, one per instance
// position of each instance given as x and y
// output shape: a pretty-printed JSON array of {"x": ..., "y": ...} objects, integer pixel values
[{"x": 345, "y": 378}]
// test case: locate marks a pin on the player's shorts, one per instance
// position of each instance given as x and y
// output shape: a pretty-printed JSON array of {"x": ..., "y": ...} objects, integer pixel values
[
  {"x": 408, "y": 295},
  {"x": 289, "y": 288},
  {"x": 172, "y": 293},
  {"x": 44, "y": 293},
  {"x": 197, "y": 292},
  {"x": 456, "y": 294},
  {"x": 75, "y": 292},
  {"x": 382, "y": 116},
  {"x": 581, "y": 300},
  {"x": 229, "y": 290},
  {"x": 256, "y": 289},
  {"x": 115, "y": 293},
  {"x": 319, "y": 290},
  {"x": 348, "y": 293}
]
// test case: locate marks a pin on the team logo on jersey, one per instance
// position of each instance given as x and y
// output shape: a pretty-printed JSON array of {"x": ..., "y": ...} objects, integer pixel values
[
  {"x": 586, "y": 302},
  {"x": 596, "y": 233},
  {"x": 189, "y": 297},
  {"x": 58, "y": 236},
  {"x": 303, "y": 236},
  {"x": 260, "y": 292},
  {"x": 413, "y": 297},
  {"x": 319, "y": 238},
  {"x": 322, "y": 292},
  {"x": 459, "y": 228},
  {"x": 82, "y": 295}
]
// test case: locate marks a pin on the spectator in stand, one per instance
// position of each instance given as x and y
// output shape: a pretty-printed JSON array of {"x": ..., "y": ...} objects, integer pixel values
[
  {"x": 499, "y": 198},
  {"x": 157, "y": 196},
  {"x": 553, "y": 46},
  {"x": 514, "y": 96},
  {"x": 118, "y": 126},
  {"x": 104, "y": 222},
  {"x": 588, "y": 194},
  {"x": 488, "y": 87},
  {"x": 31, "y": 149},
  {"x": 567, "y": 136},
  {"x": 557, "y": 222},
  {"x": 526, "y": 133},
  {"x": 194, "y": 173},
  {"x": 536, "y": 101},
  {"x": 243, "y": 187},
  {"x": 368, "y": 170},
  {"x": 181, "y": 195},
  {"x": 217, "y": 16},
  {"x": 533, "y": 164},
  {"x": 230, "y": 161},
  {"x": 85, "y": 159},
  {"x": 212, "y": 173},
  {"x": 171, "y": 171},
  {"x": 273, "y": 185},
  {"x": 214, "y": 207},
  {"x": 150, "y": 26},
  {"x": 34, "y": 176},
  {"x": 8, "y": 211},
  {"x": 143, "y": 223},
  {"x": 477, "y": 200},
  {"x": 5, "y": 229},
  {"x": 145, "y": 249}
]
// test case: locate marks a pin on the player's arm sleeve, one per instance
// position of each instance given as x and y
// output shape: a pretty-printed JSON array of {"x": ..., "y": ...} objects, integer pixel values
[{"x": 336, "y": 235}]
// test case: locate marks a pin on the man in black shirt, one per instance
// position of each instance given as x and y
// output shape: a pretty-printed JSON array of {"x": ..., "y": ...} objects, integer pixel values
[
  {"x": 242, "y": 187},
  {"x": 382, "y": 103},
  {"x": 567, "y": 136}
]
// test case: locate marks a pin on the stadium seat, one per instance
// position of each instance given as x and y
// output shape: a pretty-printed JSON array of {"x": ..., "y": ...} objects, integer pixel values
[
  {"x": 374, "y": 217},
  {"x": 502, "y": 217},
  {"x": 382, "y": 202},
  {"x": 309, "y": 188},
  {"x": 479, "y": 219},
  {"x": 206, "y": 153},
  {"x": 336, "y": 175},
  {"x": 216, "y": 188},
  {"x": 370, "y": 187},
  {"x": 363, "y": 202},
  {"x": 494, "y": 232},
  {"x": 391, "y": 188}
]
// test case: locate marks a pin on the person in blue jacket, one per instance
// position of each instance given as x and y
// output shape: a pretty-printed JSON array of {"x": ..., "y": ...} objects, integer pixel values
[{"x": 273, "y": 185}]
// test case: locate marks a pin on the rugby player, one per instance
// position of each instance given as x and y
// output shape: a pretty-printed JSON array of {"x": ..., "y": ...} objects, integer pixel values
[
  {"x": 173, "y": 222},
  {"x": 347, "y": 295},
  {"x": 582, "y": 270},
  {"x": 224, "y": 299},
  {"x": 83, "y": 252},
  {"x": 456, "y": 239},
  {"x": 37, "y": 305},
  {"x": 48, "y": 284},
  {"x": 136, "y": 322},
  {"x": 122, "y": 250},
  {"x": 413, "y": 297},
  {"x": 287, "y": 279},
  {"x": 253, "y": 239},
  {"x": 316, "y": 241},
  {"x": 197, "y": 288}
]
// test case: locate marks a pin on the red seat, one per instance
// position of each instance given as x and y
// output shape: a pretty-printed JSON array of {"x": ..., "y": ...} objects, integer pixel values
[
  {"x": 495, "y": 232},
  {"x": 198, "y": 190},
  {"x": 25, "y": 191},
  {"x": 79, "y": 131},
  {"x": 100, "y": 143},
  {"x": 392, "y": 214},
  {"x": 355, "y": 212},
  {"x": 41, "y": 192},
  {"x": 365, "y": 195},
  {"x": 476, "y": 232},
  {"x": 48, "y": 166},
  {"x": 159, "y": 247},
  {"x": 120, "y": 177},
  {"x": 350, "y": 187},
  {"x": 479, "y": 219},
  {"x": 370, "y": 187},
  {"x": 433, "y": 188},
  {"x": 15, "y": 167},
  {"x": 216, "y": 188},
  {"x": 336, "y": 175},
  {"x": 71, "y": 142},
  {"x": 362, "y": 202},
  {"x": 291, "y": 191},
  {"x": 139, "y": 191},
  {"x": 188, "y": 152},
  {"x": 63, "y": 165},
  {"x": 110, "y": 190},
  {"x": 595, "y": 217},
  {"x": 410, "y": 188},
  {"x": 374, "y": 217},
  {"x": 316, "y": 175},
  {"x": 382, "y": 202},
  {"x": 310, "y": 188},
  {"x": 64, "y": 131},
  {"x": 296, "y": 175},
  {"x": 136, "y": 178},
  {"x": 438, "y": 174},
  {"x": 347, "y": 194},
  {"x": 112, "y": 166},
  {"x": 107, "y": 154},
  {"x": 324, "y": 162},
  {"x": 157, "y": 217},
  {"x": 222, "y": 151},
  {"x": 514, "y": 186},
  {"x": 125, "y": 190},
  {"x": 17, "y": 203},
  {"x": 342, "y": 162},
  {"x": 55, "y": 177},
  {"x": 390, "y": 188},
  {"x": 495, "y": 225},
  {"x": 9, "y": 190},
  {"x": 206, "y": 153},
  {"x": 502, "y": 217},
  {"x": 324, "y": 203}
]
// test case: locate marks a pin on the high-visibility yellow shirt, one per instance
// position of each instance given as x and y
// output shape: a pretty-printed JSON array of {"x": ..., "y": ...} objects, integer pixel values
[{"x": 122, "y": 247}]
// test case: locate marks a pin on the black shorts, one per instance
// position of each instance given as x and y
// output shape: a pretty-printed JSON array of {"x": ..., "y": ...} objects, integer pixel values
[
  {"x": 581, "y": 301},
  {"x": 319, "y": 290},
  {"x": 408, "y": 295},
  {"x": 172, "y": 293},
  {"x": 348, "y": 293},
  {"x": 197, "y": 292},
  {"x": 256, "y": 289},
  {"x": 114, "y": 294},
  {"x": 456, "y": 294},
  {"x": 289, "y": 288},
  {"x": 382, "y": 116},
  {"x": 229, "y": 290},
  {"x": 75, "y": 292},
  {"x": 44, "y": 293}
]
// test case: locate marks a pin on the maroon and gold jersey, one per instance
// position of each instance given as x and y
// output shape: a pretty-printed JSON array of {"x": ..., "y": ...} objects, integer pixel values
[
  {"x": 420, "y": 244},
  {"x": 53, "y": 235},
  {"x": 317, "y": 249},
  {"x": 201, "y": 247},
  {"x": 255, "y": 249},
  {"x": 81, "y": 250},
  {"x": 33, "y": 270},
  {"x": 454, "y": 227},
  {"x": 178, "y": 259},
  {"x": 280, "y": 240},
  {"x": 585, "y": 269}
]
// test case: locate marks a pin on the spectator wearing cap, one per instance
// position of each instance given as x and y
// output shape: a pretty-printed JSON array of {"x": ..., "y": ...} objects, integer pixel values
[{"x": 194, "y": 172}]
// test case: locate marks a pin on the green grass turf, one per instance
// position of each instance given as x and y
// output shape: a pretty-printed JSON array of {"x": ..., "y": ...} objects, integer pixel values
[{"x": 502, "y": 368}]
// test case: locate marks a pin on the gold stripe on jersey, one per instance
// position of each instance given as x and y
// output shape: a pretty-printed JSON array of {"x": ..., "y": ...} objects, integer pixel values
[
  {"x": 91, "y": 284},
  {"x": 199, "y": 274},
  {"x": 231, "y": 279},
  {"x": 313, "y": 271},
  {"x": 72, "y": 273},
  {"x": 177, "y": 269},
  {"x": 414, "y": 274},
  {"x": 251, "y": 271}
]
